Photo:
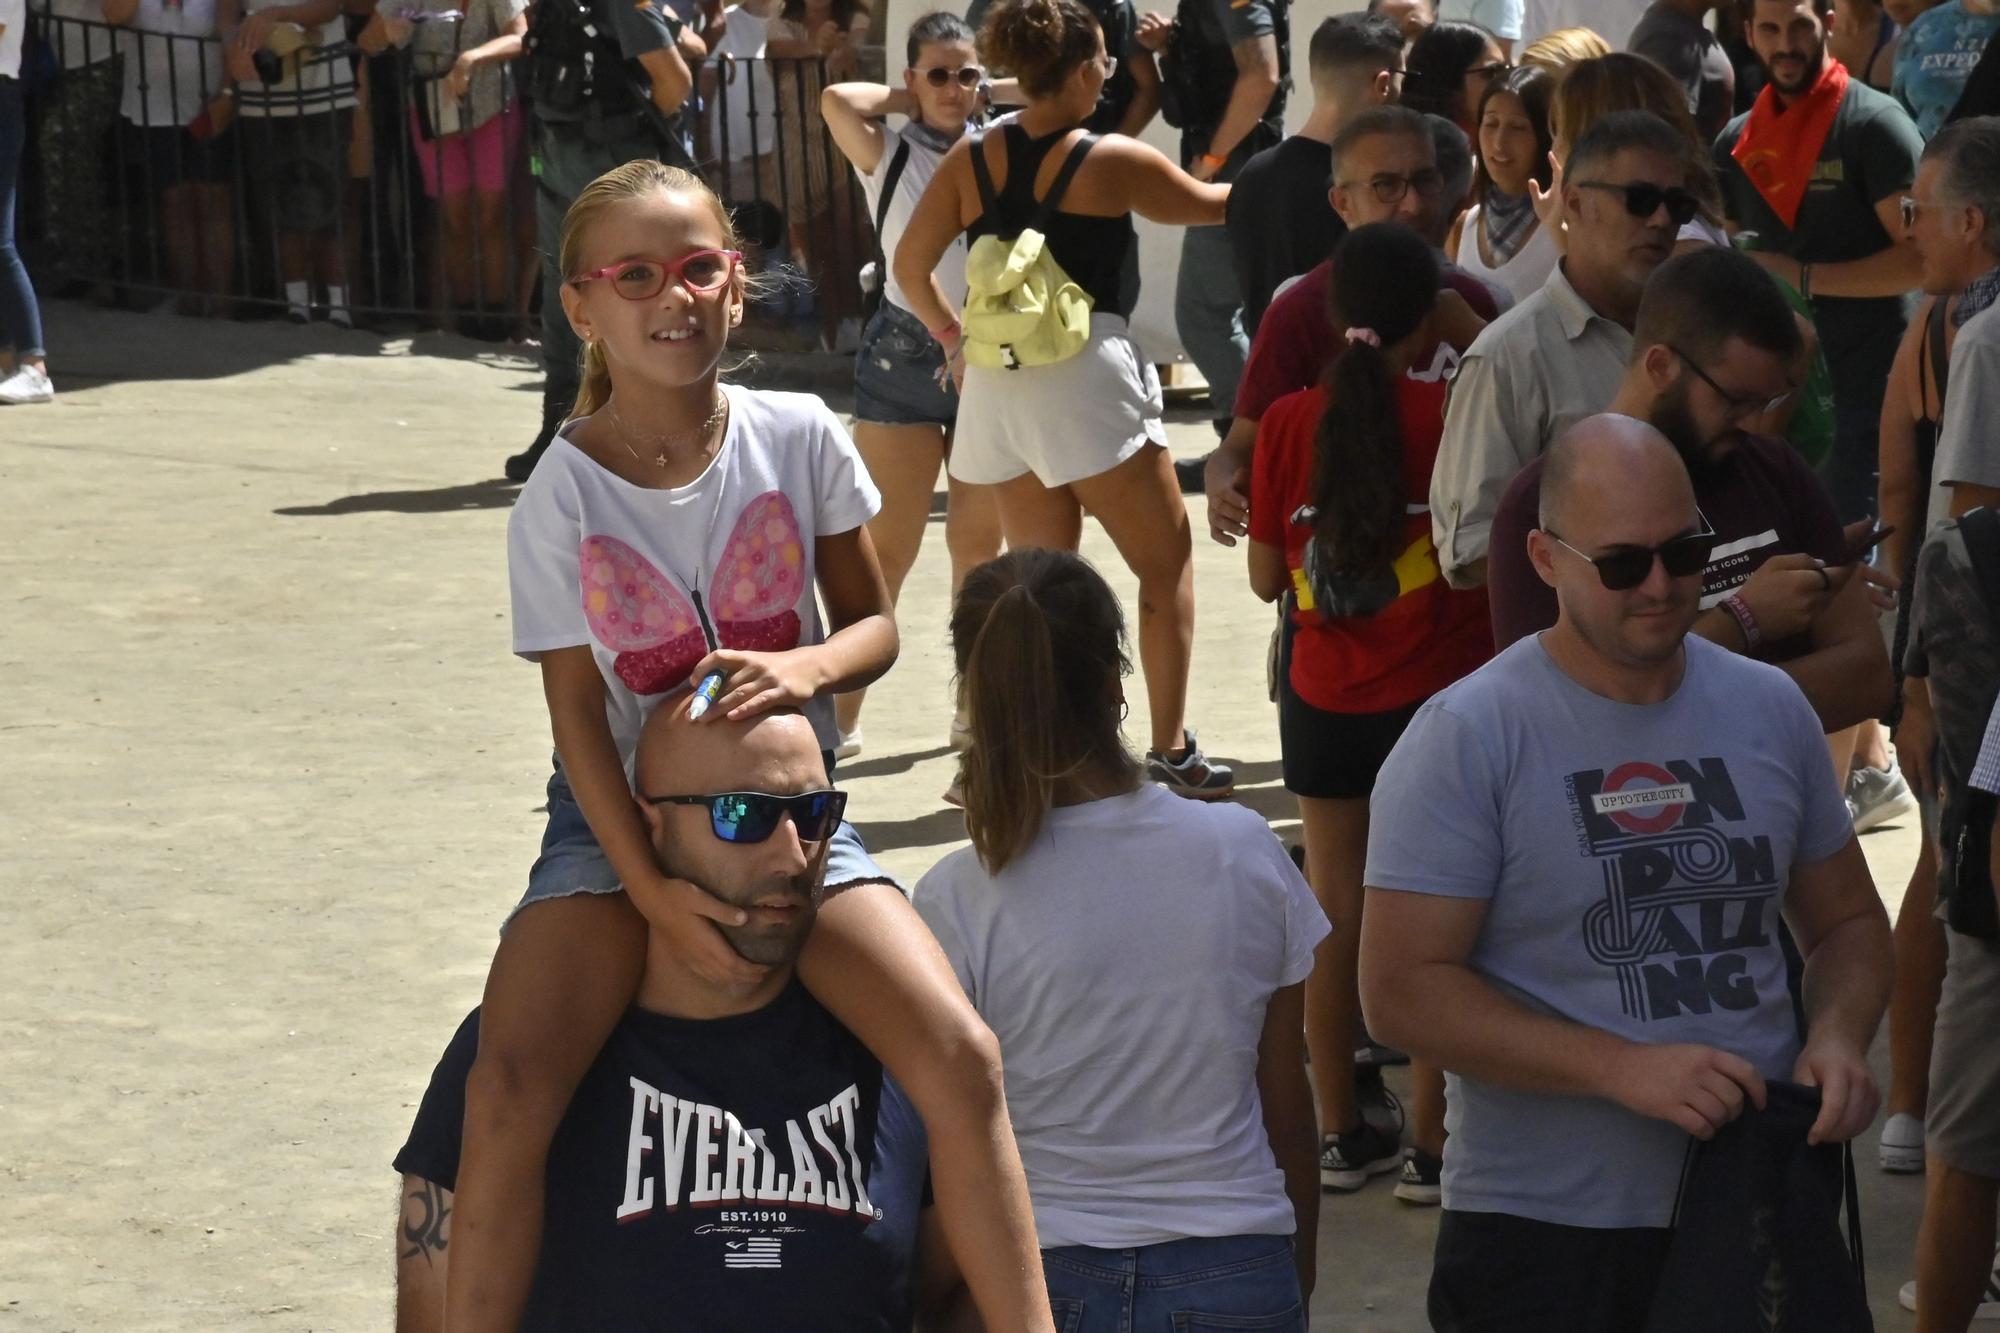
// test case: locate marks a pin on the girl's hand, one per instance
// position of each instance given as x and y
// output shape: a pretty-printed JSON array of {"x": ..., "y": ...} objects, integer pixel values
[
  {"x": 254, "y": 32},
  {"x": 459, "y": 80},
  {"x": 758, "y": 683},
  {"x": 686, "y": 916}
]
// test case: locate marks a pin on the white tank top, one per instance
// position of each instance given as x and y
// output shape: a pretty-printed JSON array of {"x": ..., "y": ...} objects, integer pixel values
[{"x": 1524, "y": 273}]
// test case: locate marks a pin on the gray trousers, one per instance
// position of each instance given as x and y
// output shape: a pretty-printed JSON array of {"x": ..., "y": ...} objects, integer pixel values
[{"x": 1208, "y": 314}]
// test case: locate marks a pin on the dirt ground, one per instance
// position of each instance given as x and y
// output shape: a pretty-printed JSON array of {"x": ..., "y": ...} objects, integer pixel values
[{"x": 272, "y": 779}]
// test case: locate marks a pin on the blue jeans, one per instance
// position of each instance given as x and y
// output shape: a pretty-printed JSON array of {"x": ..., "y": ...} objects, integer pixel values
[
  {"x": 1177, "y": 1286},
  {"x": 20, "y": 317},
  {"x": 1208, "y": 314}
]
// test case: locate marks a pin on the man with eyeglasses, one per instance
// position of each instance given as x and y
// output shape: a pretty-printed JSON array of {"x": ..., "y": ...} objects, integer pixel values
[
  {"x": 1713, "y": 349},
  {"x": 1559, "y": 355},
  {"x": 735, "y": 1159},
  {"x": 1578, "y": 857},
  {"x": 1817, "y": 168}
]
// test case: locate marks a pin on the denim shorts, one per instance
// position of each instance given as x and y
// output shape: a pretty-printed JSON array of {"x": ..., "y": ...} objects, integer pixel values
[
  {"x": 1218, "y": 1282},
  {"x": 571, "y": 862},
  {"x": 895, "y": 373}
]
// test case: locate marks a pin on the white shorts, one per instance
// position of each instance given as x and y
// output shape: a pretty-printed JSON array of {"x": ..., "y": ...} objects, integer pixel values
[{"x": 1067, "y": 422}]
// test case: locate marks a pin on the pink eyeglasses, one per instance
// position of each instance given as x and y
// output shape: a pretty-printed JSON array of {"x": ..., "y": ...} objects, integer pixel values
[{"x": 701, "y": 272}]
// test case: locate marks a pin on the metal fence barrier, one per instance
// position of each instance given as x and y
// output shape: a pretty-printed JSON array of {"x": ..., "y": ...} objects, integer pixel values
[{"x": 361, "y": 173}]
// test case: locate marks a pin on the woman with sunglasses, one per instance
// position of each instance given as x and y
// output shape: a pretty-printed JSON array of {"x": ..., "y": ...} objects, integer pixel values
[
  {"x": 1340, "y": 522},
  {"x": 679, "y": 528},
  {"x": 904, "y": 401},
  {"x": 1141, "y": 961},
  {"x": 1084, "y": 434},
  {"x": 1447, "y": 70},
  {"x": 1500, "y": 240}
]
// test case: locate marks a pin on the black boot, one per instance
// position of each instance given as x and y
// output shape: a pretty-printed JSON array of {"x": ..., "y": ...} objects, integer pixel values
[{"x": 553, "y": 416}]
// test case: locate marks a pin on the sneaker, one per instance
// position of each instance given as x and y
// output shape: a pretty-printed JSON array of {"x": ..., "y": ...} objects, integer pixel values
[
  {"x": 1192, "y": 775},
  {"x": 1347, "y": 1160},
  {"x": 849, "y": 744},
  {"x": 1989, "y": 1299},
  {"x": 1372, "y": 1052},
  {"x": 1878, "y": 796},
  {"x": 28, "y": 384},
  {"x": 1379, "y": 1106},
  {"x": 1419, "y": 1183},
  {"x": 1192, "y": 474},
  {"x": 1901, "y": 1147}
]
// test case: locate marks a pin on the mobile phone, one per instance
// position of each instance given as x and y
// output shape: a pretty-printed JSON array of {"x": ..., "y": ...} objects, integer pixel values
[{"x": 1868, "y": 542}]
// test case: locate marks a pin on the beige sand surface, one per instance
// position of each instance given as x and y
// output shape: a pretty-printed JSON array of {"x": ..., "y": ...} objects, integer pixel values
[{"x": 271, "y": 780}]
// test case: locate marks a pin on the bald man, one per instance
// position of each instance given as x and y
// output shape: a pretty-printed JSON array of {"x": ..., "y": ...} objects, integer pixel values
[
  {"x": 735, "y": 1159},
  {"x": 1577, "y": 858}
]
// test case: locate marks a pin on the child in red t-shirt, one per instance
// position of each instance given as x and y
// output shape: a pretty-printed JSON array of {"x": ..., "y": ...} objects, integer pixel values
[{"x": 1340, "y": 524}]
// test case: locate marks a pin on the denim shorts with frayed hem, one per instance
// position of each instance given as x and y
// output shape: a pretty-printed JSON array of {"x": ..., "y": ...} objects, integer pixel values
[{"x": 896, "y": 373}]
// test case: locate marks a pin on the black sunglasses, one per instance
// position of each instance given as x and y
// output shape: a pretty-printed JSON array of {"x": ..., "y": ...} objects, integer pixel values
[
  {"x": 1643, "y": 199},
  {"x": 967, "y": 76},
  {"x": 1627, "y": 567},
  {"x": 753, "y": 816}
]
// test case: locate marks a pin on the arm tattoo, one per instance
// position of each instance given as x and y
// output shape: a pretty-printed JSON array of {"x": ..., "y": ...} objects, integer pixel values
[{"x": 426, "y": 1209}]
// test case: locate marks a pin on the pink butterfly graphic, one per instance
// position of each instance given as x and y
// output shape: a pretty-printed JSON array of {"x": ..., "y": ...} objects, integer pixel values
[{"x": 660, "y": 632}]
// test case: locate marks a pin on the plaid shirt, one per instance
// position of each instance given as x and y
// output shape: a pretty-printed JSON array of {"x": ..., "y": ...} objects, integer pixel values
[
  {"x": 1986, "y": 770},
  {"x": 1981, "y": 292}
]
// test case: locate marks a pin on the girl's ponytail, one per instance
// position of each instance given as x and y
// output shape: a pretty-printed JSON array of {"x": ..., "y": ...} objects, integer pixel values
[
  {"x": 1039, "y": 643},
  {"x": 1385, "y": 281},
  {"x": 595, "y": 391}
]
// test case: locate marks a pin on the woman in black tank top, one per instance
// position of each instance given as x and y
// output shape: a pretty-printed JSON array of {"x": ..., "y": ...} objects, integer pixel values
[{"x": 1083, "y": 434}]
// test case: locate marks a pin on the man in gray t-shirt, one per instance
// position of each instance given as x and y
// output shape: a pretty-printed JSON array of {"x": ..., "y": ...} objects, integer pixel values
[
  {"x": 1673, "y": 36},
  {"x": 1576, "y": 864}
]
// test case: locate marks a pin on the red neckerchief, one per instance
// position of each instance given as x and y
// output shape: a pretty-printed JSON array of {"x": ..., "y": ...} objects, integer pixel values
[{"x": 1779, "y": 145}]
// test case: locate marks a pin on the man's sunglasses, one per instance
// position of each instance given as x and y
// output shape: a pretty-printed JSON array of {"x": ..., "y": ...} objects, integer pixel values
[
  {"x": 1627, "y": 567},
  {"x": 753, "y": 816},
  {"x": 965, "y": 76},
  {"x": 1643, "y": 199}
]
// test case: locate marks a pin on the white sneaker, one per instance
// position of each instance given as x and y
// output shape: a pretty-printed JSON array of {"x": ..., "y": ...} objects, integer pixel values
[
  {"x": 1901, "y": 1147},
  {"x": 849, "y": 746},
  {"x": 1878, "y": 796},
  {"x": 28, "y": 384},
  {"x": 1989, "y": 1299}
]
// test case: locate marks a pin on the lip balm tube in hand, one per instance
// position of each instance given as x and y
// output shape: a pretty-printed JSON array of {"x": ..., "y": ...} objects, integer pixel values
[{"x": 705, "y": 694}]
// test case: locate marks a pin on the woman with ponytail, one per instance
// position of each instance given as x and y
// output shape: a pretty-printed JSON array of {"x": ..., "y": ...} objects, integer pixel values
[
  {"x": 679, "y": 528},
  {"x": 1141, "y": 961},
  {"x": 1340, "y": 528}
]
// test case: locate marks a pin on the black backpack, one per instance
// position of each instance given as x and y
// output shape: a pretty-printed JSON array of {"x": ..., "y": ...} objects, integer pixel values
[
  {"x": 1966, "y": 826},
  {"x": 1198, "y": 73},
  {"x": 571, "y": 67}
]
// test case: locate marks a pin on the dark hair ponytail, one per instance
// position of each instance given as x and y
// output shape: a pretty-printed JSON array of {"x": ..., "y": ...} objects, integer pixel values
[
  {"x": 1039, "y": 643},
  {"x": 1385, "y": 281}
]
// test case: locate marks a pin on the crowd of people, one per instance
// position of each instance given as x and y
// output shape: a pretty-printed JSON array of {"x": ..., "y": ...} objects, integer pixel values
[{"x": 1611, "y": 434}]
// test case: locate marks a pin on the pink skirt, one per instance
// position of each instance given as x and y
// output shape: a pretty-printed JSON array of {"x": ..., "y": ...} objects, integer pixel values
[{"x": 482, "y": 159}]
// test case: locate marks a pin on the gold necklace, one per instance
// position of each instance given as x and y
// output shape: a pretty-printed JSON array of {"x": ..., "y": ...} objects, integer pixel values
[{"x": 698, "y": 436}]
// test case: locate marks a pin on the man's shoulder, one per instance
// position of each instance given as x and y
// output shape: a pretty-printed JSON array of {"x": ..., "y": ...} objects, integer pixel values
[
  {"x": 1979, "y": 335},
  {"x": 1867, "y": 110},
  {"x": 1299, "y": 306},
  {"x": 1732, "y": 131},
  {"x": 1517, "y": 332},
  {"x": 1753, "y": 687}
]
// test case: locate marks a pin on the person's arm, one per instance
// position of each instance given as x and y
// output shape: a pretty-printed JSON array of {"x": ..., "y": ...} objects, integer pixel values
[
  {"x": 423, "y": 1249},
  {"x": 1145, "y": 102},
  {"x": 1842, "y": 932},
  {"x": 117, "y": 13},
  {"x": 1890, "y": 271},
  {"x": 1155, "y": 188},
  {"x": 1226, "y": 479},
  {"x": 497, "y": 50},
  {"x": 1845, "y": 676},
  {"x": 853, "y": 114},
  {"x": 938, "y": 1296},
  {"x": 1270, "y": 576},
  {"x": 1420, "y": 994},
  {"x": 1900, "y": 501},
  {"x": 1257, "y": 78},
  {"x": 1289, "y": 1121},
  {"x": 255, "y": 29},
  {"x": 938, "y": 220},
  {"x": 1916, "y": 736},
  {"x": 1967, "y": 496},
  {"x": 668, "y": 77},
  {"x": 1481, "y": 451},
  {"x": 860, "y": 646},
  {"x": 880, "y": 973}
]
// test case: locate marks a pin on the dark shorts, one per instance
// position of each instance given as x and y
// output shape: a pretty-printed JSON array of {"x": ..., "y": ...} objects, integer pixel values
[
  {"x": 895, "y": 373},
  {"x": 163, "y": 156},
  {"x": 1334, "y": 756},
  {"x": 298, "y": 167},
  {"x": 1494, "y": 1273}
]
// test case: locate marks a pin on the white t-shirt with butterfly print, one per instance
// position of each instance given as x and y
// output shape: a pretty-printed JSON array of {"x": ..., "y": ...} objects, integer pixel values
[{"x": 644, "y": 575}]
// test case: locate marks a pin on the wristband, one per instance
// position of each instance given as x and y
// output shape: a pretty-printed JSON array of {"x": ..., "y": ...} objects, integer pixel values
[
  {"x": 1214, "y": 163},
  {"x": 1805, "y": 281},
  {"x": 1739, "y": 608},
  {"x": 951, "y": 330}
]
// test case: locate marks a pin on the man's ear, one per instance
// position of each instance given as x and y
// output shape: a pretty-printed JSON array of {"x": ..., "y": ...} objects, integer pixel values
[
  {"x": 656, "y": 819},
  {"x": 1383, "y": 90},
  {"x": 1542, "y": 555}
]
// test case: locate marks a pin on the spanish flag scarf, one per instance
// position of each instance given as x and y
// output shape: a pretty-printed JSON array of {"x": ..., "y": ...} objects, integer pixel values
[{"x": 1779, "y": 145}]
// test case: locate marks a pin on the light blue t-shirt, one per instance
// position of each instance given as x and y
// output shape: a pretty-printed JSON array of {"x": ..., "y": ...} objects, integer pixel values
[
  {"x": 1936, "y": 57},
  {"x": 1634, "y": 859}
]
